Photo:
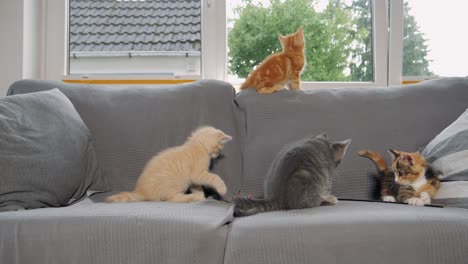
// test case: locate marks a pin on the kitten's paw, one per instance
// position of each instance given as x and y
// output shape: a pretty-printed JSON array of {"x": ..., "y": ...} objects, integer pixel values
[
  {"x": 199, "y": 197},
  {"x": 415, "y": 201},
  {"x": 425, "y": 197},
  {"x": 265, "y": 90},
  {"x": 221, "y": 188},
  {"x": 296, "y": 87},
  {"x": 125, "y": 197},
  {"x": 388, "y": 198},
  {"x": 329, "y": 200}
]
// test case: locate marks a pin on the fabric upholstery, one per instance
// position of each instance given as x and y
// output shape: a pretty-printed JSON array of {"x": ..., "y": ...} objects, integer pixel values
[
  {"x": 448, "y": 153},
  {"x": 351, "y": 233},
  {"x": 452, "y": 194},
  {"x": 93, "y": 232},
  {"x": 402, "y": 117},
  {"x": 131, "y": 124},
  {"x": 47, "y": 157}
]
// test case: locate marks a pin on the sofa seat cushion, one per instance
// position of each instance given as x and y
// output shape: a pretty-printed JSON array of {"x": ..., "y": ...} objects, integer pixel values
[
  {"x": 351, "y": 232},
  {"x": 94, "y": 232}
]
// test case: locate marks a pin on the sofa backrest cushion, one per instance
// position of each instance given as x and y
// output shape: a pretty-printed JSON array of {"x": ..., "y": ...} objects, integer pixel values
[
  {"x": 131, "y": 124},
  {"x": 401, "y": 117}
]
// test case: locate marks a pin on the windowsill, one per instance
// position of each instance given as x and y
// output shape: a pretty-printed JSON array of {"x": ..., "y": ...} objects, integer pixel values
[
  {"x": 122, "y": 81},
  {"x": 156, "y": 79}
]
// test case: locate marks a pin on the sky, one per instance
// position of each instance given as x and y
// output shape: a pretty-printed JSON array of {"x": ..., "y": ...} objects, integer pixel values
[{"x": 445, "y": 26}]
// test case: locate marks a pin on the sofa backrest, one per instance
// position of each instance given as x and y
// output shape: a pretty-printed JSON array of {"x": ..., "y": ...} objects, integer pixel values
[
  {"x": 131, "y": 124},
  {"x": 401, "y": 117}
]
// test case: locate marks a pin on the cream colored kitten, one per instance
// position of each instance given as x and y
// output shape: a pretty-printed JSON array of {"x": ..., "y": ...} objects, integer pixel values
[{"x": 168, "y": 175}]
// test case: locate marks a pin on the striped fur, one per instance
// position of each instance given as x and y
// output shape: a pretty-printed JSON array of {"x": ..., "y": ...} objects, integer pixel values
[
  {"x": 168, "y": 175},
  {"x": 250, "y": 206},
  {"x": 387, "y": 187},
  {"x": 280, "y": 69},
  {"x": 299, "y": 177}
]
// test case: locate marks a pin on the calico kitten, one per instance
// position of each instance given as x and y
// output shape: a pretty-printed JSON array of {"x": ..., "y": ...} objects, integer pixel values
[
  {"x": 168, "y": 175},
  {"x": 412, "y": 180},
  {"x": 280, "y": 69},
  {"x": 299, "y": 177}
]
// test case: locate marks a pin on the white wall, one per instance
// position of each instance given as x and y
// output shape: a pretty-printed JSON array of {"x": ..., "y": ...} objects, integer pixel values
[
  {"x": 11, "y": 48},
  {"x": 20, "y": 44}
]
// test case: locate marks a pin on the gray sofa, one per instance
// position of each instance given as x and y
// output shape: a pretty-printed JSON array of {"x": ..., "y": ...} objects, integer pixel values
[{"x": 130, "y": 124}]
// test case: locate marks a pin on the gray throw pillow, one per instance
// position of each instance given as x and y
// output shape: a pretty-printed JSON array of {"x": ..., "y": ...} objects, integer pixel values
[
  {"x": 448, "y": 153},
  {"x": 47, "y": 157}
]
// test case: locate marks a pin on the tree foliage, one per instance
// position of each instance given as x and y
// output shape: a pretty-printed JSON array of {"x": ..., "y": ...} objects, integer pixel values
[
  {"x": 255, "y": 36},
  {"x": 338, "y": 39},
  {"x": 415, "y": 49},
  {"x": 361, "y": 66}
]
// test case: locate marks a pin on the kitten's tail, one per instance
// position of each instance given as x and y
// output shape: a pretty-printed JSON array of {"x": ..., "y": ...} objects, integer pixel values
[
  {"x": 125, "y": 197},
  {"x": 378, "y": 160},
  {"x": 248, "y": 206}
]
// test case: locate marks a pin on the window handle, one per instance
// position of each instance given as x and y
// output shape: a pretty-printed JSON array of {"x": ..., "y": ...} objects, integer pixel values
[{"x": 208, "y": 3}]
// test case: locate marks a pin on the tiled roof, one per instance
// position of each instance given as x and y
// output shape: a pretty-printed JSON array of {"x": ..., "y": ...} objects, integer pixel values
[{"x": 134, "y": 25}]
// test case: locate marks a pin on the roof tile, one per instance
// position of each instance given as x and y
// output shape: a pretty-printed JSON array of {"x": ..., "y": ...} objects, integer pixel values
[{"x": 150, "y": 25}]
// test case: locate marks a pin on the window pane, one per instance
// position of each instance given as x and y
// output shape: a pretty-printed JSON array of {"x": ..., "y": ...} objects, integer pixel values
[
  {"x": 135, "y": 37},
  {"x": 435, "y": 39},
  {"x": 338, "y": 36}
]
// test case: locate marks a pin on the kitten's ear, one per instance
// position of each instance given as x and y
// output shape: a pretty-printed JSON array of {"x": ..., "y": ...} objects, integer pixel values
[
  {"x": 225, "y": 138},
  {"x": 322, "y": 135},
  {"x": 395, "y": 154},
  {"x": 281, "y": 39},
  {"x": 339, "y": 149},
  {"x": 300, "y": 30}
]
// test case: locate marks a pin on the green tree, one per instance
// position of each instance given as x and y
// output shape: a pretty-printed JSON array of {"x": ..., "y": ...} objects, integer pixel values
[
  {"x": 338, "y": 39},
  {"x": 415, "y": 49},
  {"x": 415, "y": 62},
  {"x": 361, "y": 67},
  {"x": 254, "y": 36}
]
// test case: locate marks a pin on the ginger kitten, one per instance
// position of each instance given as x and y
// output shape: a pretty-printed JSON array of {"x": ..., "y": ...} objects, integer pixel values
[
  {"x": 412, "y": 180},
  {"x": 280, "y": 69},
  {"x": 168, "y": 175}
]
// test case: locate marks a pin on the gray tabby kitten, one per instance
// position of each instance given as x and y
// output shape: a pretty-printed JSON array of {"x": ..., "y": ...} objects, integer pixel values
[{"x": 299, "y": 177}]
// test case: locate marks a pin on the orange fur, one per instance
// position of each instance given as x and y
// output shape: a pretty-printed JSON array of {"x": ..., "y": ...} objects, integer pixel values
[
  {"x": 431, "y": 187},
  {"x": 168, "y": 175},
  {"x": 413, "y": 164},
  {"x": 379, "y": 161},
  {"x": 411, "y": 180},
  {"x": 386, "y": 179},
  {"x": 280, "y": 69},
  {"x": 411, "y": 172}
]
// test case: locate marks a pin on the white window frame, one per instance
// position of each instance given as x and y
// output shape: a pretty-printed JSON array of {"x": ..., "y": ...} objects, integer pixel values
[
  {"x": 395, "y": 51},
  {"x": 387, "y": 47},
  {"x": 54, "y": 27}
]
